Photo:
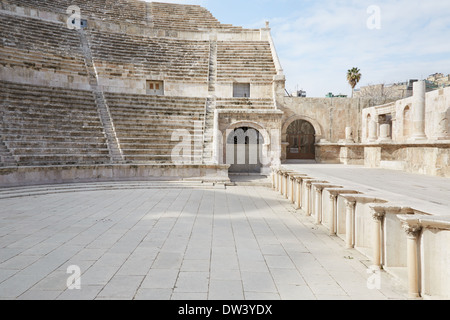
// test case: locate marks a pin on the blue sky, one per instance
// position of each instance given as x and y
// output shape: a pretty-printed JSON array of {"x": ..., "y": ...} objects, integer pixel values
[{"x": 319, "y": 40}]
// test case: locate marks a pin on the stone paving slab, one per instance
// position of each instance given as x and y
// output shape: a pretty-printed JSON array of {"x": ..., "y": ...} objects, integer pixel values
[{"x": 242, "y": 242}]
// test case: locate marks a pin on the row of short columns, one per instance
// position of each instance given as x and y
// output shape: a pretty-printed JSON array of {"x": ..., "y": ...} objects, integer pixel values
[{"x": 293, "y": 186}]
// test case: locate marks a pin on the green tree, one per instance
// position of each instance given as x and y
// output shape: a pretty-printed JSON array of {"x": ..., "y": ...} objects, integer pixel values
[{"x": 353, "y": 78}]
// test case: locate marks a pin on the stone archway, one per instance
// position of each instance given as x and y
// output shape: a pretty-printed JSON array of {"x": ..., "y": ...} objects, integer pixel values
[
  {"x": 244, "y": 151},
  {"x": 313, "y": 135},
  {"x": 301, "y": 138}
]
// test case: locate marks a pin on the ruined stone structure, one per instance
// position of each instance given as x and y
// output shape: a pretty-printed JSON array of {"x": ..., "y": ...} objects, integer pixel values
[{"x": 129, "y": 90}]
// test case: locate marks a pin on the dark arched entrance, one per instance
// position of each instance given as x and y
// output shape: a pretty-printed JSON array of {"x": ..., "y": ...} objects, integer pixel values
[
  {"x": 301, "y": 137},
  {"x": 244, "y": 150}
]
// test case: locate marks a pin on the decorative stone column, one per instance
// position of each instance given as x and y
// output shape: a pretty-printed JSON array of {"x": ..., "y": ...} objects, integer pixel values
[
  {"x": 385, "y": 133},
  {"x": 378, "y": 215},
  {"x": 413, "y": 231},
  {"x": 419, "y": 106},
  {"x": 292, "y": 177},
  {"x": 333, "y": 216},
  {"x": 286, "y": 185},
  {"x": 308, "y": 199},
  {"x": 373, "y": 131},
  {"x": 318, "y": 206},
  {"x": 350, "y": 215},
  {"x": 299, "y": 193},
  {"x": 281, "y": 182}
]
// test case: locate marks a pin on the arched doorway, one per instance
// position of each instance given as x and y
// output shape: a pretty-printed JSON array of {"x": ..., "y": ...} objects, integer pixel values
[
  {"x": 301, "y": 137},
  {"x": 244, "y": 151}
]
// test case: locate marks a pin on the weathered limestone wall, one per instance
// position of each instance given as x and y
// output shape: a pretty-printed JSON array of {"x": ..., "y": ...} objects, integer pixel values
[{"x": 330, "y": 118}]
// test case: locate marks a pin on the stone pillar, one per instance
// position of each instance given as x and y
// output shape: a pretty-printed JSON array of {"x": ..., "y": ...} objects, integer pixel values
[
  {"x": 286, "y": 185},
  {"x": 419, "y": 106},
  {"x": 299, "y": 193},
  {"x": 378, "y": 217},
  {"x": 274, "y": 187},
  {"x": 281, "y": 182},
  {"x": 373, "y": 131},
  {"x": 349, "y": 135},
  {"x": 308, "y": 199},
  {"x": 413, "y": 232},
  {"x": 292, "y": 189},
  {"x": 350, "y": 215},
  {"x": 333, "y": 215},
  {"x": 385, "y": 133},
  {"x": 318, "y": 205}
]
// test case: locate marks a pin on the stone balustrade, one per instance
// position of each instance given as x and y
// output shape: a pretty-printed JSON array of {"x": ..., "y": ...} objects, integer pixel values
[{"x": 409, "y": 244}]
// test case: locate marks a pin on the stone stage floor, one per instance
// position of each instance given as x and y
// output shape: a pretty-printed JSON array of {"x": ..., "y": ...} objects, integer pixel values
[{"x": 174, "y": 242}]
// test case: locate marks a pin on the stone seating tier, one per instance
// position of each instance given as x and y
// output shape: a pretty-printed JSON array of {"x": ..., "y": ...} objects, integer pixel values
[
  {"x": 40, "y": 45},
  {"x": 185, "y": 17},
  {"x": 137, "y": 57},
  {"x": 144, "y": 124},
  {"x": 237, "y": 59},
  {"x": 245, "y": 103},
  {"x": 125, "y": 10},
  {"x": 51, "y": 126}
]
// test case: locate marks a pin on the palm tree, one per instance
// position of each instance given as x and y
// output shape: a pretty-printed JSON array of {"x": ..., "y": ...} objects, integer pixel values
[{"x": 353, "y": 77}]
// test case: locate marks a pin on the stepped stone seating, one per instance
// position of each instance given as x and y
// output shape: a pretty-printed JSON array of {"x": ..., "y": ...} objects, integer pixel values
[
  {"x": 51, "y": 126},
  {"x": 185, "y": 18},
  {"x": 144, "y": 124},
  {"x": 245, "y": 103},
  {"x": 252, "y": 60},
  {"x": 39, "y": 45},
  {"x": 137, "y": 57},
  {"x": 124, "y": 10}
]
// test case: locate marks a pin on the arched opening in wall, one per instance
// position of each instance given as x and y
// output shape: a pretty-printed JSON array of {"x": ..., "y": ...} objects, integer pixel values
[
  {"x": 244, "y": 151},
  {"x": 301, "y": 137},
  {"x": 407, "y": 122}
]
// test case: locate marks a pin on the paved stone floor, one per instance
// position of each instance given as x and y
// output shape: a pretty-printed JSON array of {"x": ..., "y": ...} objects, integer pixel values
[{"x": 178, "y": 243}]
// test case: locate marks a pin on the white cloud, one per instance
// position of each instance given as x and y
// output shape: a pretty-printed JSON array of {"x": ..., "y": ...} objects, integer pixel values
[{"x": 317, "y": 46}]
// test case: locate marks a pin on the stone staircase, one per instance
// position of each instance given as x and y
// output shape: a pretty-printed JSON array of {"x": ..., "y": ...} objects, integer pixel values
[
  {"x": 6, "y": 157},
  {"x": 208, "y": 137},
  {"x": 212, "y": 69},
  {"x": 103, "y": 110},
  {"x": 51, "y": 126}
]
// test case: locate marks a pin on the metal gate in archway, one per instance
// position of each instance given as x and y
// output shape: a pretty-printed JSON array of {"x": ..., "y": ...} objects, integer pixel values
[
  {"x": 244, "y": 151},
  {"x": 301, "y": 137}
]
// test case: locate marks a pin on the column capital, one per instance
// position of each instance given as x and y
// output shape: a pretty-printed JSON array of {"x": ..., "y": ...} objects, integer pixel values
[
  {"x": 413, "y": 231},
  {"x": 333, "y": 196},
  {"x": 378, "y": 214},
  {"x": 350, "y": 204}
]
